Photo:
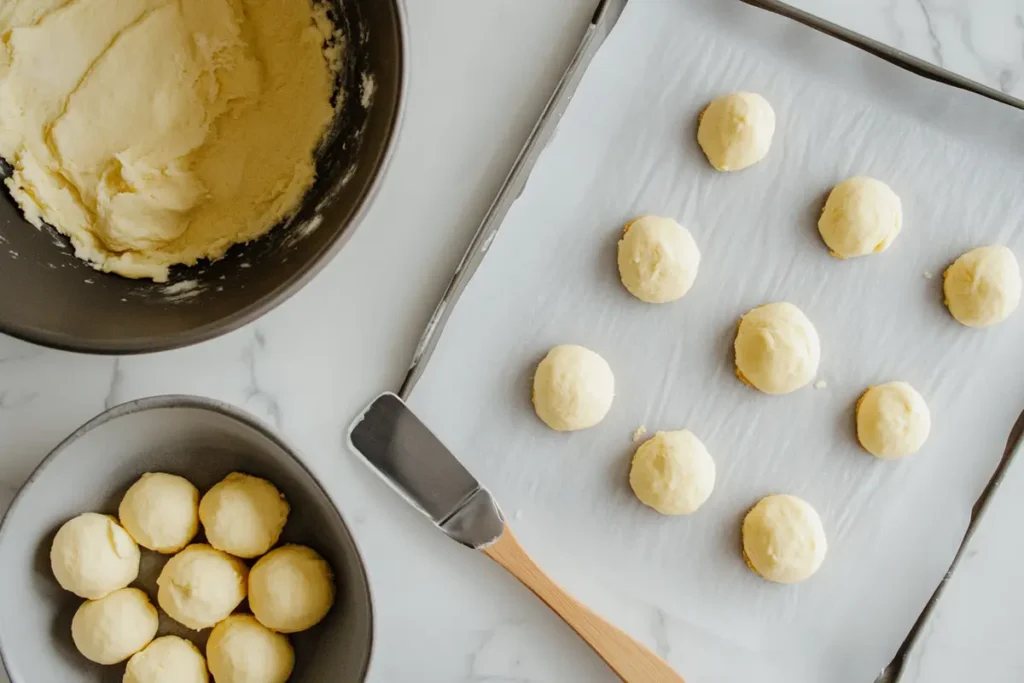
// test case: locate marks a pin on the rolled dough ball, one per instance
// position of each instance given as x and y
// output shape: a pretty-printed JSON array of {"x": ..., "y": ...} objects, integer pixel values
[
  {"x": 243, "y": 515},
  {"x": 892, "y": 420},
  {"x": 161, "y": 512},
  {"x": 113, "y": 628},
  {"x": 783, "y": 539},
  {"x": 168, "y": 659},
  {"x": 777, "y": 348},
  {"x": 291, "y": 589},
  {"x": 242, "y": 650},
  {"x": 861, "y": 216},
  {"x": 983, "y": 286},
  {"x": 92, "y": 556},
  {"x": 658, "y": 259},
  {"x": 201, "y": 585},
  {"x": 673, "y": 473},
  {"x": 573, "y": 388},
  {"x": 735, "y": 131}
]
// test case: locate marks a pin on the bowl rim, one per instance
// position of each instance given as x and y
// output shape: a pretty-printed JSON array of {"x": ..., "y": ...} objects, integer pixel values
[
  {"x": 284, "y": 291},
  {"x": 211, "y": 405}
]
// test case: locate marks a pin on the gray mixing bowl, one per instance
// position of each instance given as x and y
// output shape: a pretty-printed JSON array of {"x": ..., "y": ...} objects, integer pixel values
[
  {"x": 49, "y": 297},
  {"x": 202, "y": 440}
]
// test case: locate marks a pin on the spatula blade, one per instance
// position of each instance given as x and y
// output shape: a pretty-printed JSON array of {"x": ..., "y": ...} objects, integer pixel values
[{"x": 390, "y": 437}]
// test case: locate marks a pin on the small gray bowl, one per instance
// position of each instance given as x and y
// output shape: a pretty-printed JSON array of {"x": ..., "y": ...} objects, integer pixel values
[{"x": 199, "y": 439}]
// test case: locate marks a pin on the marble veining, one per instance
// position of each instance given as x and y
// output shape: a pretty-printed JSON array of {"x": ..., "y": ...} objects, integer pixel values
[{"x": 445, "y": 614}]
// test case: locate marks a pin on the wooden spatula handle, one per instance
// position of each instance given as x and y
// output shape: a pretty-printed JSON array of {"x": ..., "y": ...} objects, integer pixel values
[{"x": 630, "y": 660}]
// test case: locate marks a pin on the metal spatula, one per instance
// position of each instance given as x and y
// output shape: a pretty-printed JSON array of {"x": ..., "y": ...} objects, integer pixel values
[{"x": 424, "y": 471}]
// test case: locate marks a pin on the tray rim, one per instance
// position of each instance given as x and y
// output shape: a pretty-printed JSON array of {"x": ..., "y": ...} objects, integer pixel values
[{"x": 606, "y": 15}]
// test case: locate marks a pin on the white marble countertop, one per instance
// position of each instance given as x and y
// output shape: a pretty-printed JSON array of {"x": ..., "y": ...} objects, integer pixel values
[{"x": 480, "y": 73}]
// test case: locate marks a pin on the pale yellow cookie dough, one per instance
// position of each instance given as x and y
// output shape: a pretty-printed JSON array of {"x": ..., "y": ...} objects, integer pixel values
[
  {"x": 777, "y": 348},
  {"x": 291, "y": 589},
  {"x": 735, "y": 131},
  {"x": 113, "y": 628},
  {"x": 658, "y": 259},
  {"x": 161, "y": 512},
  {"x": 201, "y": 585},
  {"x": 242, "y": 650},
  {"x": 673, "y": 473},
  {"x": 573, "y": 388},
  {"x": 154, "y": 133},
  {"x": 861, "y": 216},
  {"x": 892, "y": 420},
  {"x": 168, "y": 659},
  {"x": 983, "y": 286},
  {"x": 243, "y": 515},
  {"x": 783, "y": 539},
  {"x": 92, "y": 556}
]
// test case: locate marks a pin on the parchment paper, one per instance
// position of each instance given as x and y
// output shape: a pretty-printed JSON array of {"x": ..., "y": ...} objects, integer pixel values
[{"x": 626, "y": 146}]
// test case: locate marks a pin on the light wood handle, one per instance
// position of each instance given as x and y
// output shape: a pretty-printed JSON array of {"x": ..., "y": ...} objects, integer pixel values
[{"x": 630, "y": 660}]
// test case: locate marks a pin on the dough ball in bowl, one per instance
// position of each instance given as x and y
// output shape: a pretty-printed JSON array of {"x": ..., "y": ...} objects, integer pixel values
[
  {"x": 861, "y": 216},
  {"x": 161, "y": 512},
  {"x": 92, "y": 556},
  {"x": 573, "y": 388},
  {"x": 893, "y": 420},
  {"x": 777, "y": 348},
  {"x": 673, "y": 473},
  {"x": 168, "y": 659},
  {"x": 735, "y": 131},
  {"x": 242, "y": 650},
  {"x": 658, "y": 259},
  {"x": 201, "y": 585},
  {"x": 243, "y": 515},
  {"x": 783, "y": 539},
  {"x": 113, "y": 628},
  {"x": 983, "y": 286},
  {"x": 291, "y": 589}
]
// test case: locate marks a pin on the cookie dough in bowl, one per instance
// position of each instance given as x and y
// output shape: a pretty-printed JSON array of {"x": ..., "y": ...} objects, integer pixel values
[
  {"x": 161, "y": 512},
  {"x": 673, "y": 473},
  {"x": 735, "y": 131},
  {"x": 242, "y": 650},
  {"x": 861, "y": 216},
  {"x": 243, "y": 515},
  {"x": 200, "y": 586},
  {"x": 983, "y": 286},
  {"x": 893, "y": 420},
  {"x": 658, "y": 259},
  {"x": 573, "y": 388},
  {"x": 168, "y": 659},
  {"x": 777, "y": 348},
  {"x": 115, "y": 627},
  {"x": 783, "y": 539},
  {"x": 159, "y": 133},
  {"x": 92, "y": 556}
]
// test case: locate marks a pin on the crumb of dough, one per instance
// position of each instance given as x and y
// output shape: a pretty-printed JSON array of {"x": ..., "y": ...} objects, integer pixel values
[
  {"x": 157, "y": 133},
  {"x": 639, "y": 433},
  {"x": 820, "y": 384}
]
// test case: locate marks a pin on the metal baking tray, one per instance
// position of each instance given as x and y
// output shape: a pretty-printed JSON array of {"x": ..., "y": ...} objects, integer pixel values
[{"x": 603, "y": 21}]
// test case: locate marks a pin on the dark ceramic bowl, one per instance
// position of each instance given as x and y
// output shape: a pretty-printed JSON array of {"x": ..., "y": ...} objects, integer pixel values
[
  {"x": 202, "y": 440},
  {"x": 49, "y": 297}
]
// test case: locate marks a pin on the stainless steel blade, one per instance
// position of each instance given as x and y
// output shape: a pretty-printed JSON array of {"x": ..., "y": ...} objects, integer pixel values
[{"x": 415, "y": 462}]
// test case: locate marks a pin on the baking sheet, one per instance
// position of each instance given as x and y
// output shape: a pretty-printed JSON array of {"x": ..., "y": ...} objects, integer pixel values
[{"x": 625, "y": 147}]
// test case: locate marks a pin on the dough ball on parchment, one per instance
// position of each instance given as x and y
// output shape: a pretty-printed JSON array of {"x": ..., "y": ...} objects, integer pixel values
[
  {"x": 243, "y": 515},
  {"x": 291, "y": 589},
  {"x": 658, "y": 259},
  {"x": 783, "y": 539},
  {"x": 92, "y": 556},
  {"x": 673, "y": 473},
  {"x": 161, "y": 512},
  {"x": 861, "y": 216},
  {"x": 892, "y": 420},
  {"x": 983, "y": 286},
  {"x": 777, "y": 348},
  {"x": 168, "y": 659},
  {"x": 201, "y": 585},
  {"x": 573, "y": 388},
  {"x": 113, "y": 628},
  {"x": 242, "y": 650},
  {"x": 735, "y": 131}
]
